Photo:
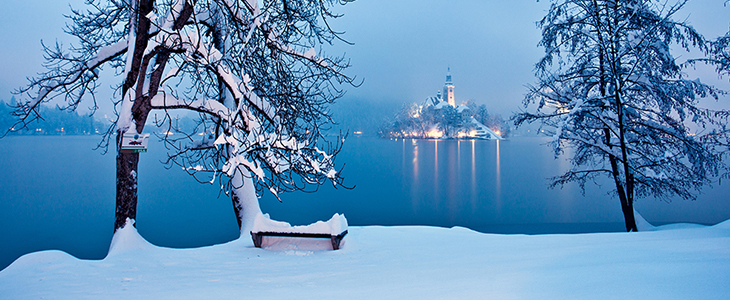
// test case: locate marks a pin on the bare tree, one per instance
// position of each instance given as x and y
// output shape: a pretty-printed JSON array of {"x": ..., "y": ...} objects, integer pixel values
[
  {"x": 250, "y": 69},
  {"x": 610, "y": 89}
]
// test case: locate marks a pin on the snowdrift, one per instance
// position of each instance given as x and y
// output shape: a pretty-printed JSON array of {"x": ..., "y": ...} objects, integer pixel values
[{"x": 406, "y": 262}]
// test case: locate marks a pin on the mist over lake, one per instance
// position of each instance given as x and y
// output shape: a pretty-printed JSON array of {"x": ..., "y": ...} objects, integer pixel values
[{"x": 58, "y": 193}]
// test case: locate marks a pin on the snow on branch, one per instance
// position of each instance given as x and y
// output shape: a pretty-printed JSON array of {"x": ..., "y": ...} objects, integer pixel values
[
  {"x": 167, "y": 101},
  {"x": 610, "y": 88}
]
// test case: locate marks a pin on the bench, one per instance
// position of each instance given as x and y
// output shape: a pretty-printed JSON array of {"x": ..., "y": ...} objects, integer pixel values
[{"x": 336, "y": 239}]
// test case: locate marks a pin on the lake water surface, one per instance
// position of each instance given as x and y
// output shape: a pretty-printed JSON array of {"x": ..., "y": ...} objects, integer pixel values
[{"x": 58, "y": 193}]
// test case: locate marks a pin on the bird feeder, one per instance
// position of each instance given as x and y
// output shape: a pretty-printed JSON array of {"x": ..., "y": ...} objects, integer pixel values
[{"x": 134, "y": 142}]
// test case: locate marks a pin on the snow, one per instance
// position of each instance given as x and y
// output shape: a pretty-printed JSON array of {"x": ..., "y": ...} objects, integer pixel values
[
  {"x": 334, "y": 226},
  {"x": 128, "y": 240},
  {"x": 196, "y": 168},
  {"x": 131, "y": 40},
  {"x": 484, "y": 131},
  {"x": 175, "y": 11},
  {"x": 310, "y": 54},
  {"x": 107, "y": 52},
  {"x": 441, "y": 105},
  {"x": 403, "y": 262},
  {"x": 167, "y": 100},
  {"x": 41, "y": 95},
  {"x": 125, "y": 113},
  {"x": 240, "y": 160},
  {"x": 642, "y": 224}
]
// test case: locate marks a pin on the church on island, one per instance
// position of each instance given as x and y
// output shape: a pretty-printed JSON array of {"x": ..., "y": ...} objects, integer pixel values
[
  {"x": 439, "y": 117},
  {"x": 469, "y": 127}
]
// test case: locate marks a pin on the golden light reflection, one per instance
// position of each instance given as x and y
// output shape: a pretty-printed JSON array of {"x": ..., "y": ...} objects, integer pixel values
[
  {"x": 473, "y": 177},
  {"x": 436, "y": 155},
  {"x": 458, "y": 155},
  {"x": 436, "y": 165},
  {"x": 415, "y": 161},
  {"x": 498, "y": 182},
  {"x": 415, "y": 177},
  {"x": 403, "y": 156}
]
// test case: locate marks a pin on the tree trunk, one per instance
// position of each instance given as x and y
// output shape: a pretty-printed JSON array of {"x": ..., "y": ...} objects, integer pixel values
[
  {"x": 245, "y": 201},
  {"x": 627, "y": 208},
  {"x": 126, "y": 187},
  {"x": 625, "y": 196},
  {"x": 627, "y": 205},
  {"x": 625, "y": 191},
  {"x": 626, "y": 188},
  {"x": 126, "y": 206}
]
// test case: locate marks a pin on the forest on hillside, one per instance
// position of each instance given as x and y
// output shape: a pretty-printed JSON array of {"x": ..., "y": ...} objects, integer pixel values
[{"x": 54, "y": 121}]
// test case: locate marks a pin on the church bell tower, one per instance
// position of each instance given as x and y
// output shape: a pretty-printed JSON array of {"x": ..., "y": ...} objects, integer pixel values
[{"x": 448, "y": 94}]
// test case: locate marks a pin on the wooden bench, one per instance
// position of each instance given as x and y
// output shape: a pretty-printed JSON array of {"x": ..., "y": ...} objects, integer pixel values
[{"x": 336, "y": 239}]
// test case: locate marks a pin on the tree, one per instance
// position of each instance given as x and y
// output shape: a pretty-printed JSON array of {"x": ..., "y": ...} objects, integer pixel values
[
  {"x": 720, "y": 54},
  {"x": 610, "y": 89},
  {"x": 449, "y": 120},
  {"x": 481, "y": 114},
  {"x": 251, "y": 72}
]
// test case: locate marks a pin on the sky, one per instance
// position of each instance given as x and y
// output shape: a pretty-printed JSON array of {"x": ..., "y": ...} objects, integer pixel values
[{"x": 402, "y": 49}]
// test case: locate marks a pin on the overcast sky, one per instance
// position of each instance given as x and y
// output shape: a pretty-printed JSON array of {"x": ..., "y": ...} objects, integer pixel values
[{"x": 402, "y": 47}]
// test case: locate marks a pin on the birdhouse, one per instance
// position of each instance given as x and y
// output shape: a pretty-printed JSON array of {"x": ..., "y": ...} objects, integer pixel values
[{"x": 134, "y": 142}]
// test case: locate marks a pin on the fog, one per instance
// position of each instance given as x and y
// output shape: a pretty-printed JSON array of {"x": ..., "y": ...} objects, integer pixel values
[{"x": 400, "y": 53}]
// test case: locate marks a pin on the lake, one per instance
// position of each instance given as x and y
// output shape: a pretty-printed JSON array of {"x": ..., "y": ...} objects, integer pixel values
[{"x": 58, "y": 193}]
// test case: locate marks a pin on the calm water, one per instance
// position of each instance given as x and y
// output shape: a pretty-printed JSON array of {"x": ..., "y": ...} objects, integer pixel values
[{"x": 58, "y": 193}]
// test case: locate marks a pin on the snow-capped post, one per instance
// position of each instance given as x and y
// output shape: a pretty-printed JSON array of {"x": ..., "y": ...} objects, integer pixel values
[
  {"x": 253, "y": 73},
  {"x": 610, "y": 89}
]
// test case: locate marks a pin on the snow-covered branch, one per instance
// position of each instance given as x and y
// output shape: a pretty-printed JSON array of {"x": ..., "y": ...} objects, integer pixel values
[
  {"x": 610, "y": 89},
  {"x": 261, "y": 101}
]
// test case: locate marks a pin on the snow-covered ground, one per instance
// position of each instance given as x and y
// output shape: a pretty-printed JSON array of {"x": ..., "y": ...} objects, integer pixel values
[{"x": 678, "y": 262}]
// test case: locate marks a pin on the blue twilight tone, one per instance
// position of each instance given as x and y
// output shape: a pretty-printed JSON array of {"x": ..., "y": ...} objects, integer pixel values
[
  {"x": 401, "y": 48},
  {"x": 61, "y": 194}
]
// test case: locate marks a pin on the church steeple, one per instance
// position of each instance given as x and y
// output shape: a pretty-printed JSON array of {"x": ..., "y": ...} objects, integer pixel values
[{"x": 449, "y": 89}]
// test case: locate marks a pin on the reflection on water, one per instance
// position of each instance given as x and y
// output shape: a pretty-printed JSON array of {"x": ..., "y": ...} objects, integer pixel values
[
  {"x": 490, "y": 186},
  {"x": 473, "y": 197},
  {"x": 498, "y": 179},
  {"x": 435, "y": 172},
  {"x": 481, "y": 184},
  {"x": 465, "y": 182},
  {"x": 414, "y": 185}
]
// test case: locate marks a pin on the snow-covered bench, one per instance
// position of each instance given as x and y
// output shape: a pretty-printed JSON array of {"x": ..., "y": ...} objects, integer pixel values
[{"x": 334, "y": 229}]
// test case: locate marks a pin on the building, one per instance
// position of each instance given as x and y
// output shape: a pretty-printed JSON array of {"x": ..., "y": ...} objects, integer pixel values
[
  {"x": 446, "y": 97},
  {"x": 448, "y": 94}
]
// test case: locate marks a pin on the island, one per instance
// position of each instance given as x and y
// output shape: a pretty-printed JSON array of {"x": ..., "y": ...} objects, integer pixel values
[{"x": 439, "y": 117}]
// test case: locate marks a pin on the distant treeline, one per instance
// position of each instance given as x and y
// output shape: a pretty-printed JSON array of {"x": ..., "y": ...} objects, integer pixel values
[
  {"x": 362, "y": 116},
  {"x": 54, "y": 122}
]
